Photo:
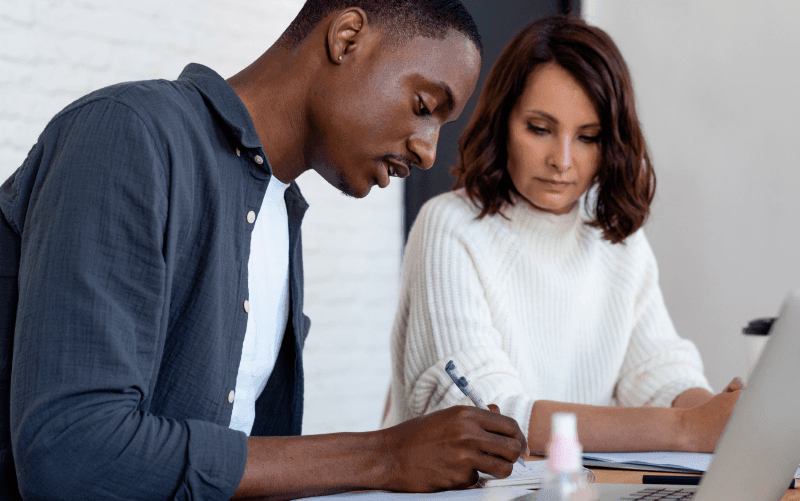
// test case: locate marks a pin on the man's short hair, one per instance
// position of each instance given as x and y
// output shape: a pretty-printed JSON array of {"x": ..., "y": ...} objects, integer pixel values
[{"x": 403, "y": 19}]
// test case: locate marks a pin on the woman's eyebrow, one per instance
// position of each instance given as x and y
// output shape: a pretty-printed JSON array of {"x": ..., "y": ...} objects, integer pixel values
[{"x": 555, "y": 120}]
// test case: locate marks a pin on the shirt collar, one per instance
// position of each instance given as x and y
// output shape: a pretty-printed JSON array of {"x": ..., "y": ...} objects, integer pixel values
[
  {"x": 225, "y": 102},
  {"x": 231, "y": 109}
]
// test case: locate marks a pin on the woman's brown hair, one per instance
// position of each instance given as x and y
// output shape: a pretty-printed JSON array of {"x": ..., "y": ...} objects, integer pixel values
[{"x": 625, "y": 179}]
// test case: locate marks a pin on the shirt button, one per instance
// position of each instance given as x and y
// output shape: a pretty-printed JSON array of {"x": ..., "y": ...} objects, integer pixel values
[
  {"x": 246, "y": 306},
  {"x": 251, "y": 217},
  {"x": 238, "y": 153},
  {"x": 258, "y": 159},
  {"x": 230, "y": 397}
]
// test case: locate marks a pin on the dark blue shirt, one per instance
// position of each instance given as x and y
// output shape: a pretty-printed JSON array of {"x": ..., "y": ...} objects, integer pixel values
[{"x": 125, "y": 242}]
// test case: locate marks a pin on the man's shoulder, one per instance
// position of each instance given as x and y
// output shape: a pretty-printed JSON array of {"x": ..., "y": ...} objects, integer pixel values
[{"x": 151, "y": 100}]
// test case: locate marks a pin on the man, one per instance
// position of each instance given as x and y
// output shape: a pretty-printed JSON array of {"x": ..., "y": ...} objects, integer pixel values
[{"x": 152, "y": 284}]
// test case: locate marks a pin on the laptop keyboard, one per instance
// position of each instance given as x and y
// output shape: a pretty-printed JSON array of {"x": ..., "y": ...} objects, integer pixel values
[{"x": 655, "y": 493}]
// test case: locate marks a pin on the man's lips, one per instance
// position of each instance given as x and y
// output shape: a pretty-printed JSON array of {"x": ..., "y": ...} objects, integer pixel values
[{"x": 397, "y": 168}]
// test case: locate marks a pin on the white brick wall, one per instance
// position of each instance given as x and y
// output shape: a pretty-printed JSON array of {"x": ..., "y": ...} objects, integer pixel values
[{"x": 54, "y": 51}]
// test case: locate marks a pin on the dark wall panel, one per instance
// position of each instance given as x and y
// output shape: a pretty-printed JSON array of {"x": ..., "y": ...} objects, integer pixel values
[{"x": 498, "y": 21}]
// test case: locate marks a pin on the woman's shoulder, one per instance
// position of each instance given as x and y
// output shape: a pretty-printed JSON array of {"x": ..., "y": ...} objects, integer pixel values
[
  {"x": 453, "y": 203},
  {"x": 450, "y": 211},
  {"x": 452, "y": 216},
  {"x": 633, "y": 257}
]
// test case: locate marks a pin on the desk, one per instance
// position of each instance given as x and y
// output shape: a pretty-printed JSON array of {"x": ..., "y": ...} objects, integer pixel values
[{"x": 609, "y": 476}]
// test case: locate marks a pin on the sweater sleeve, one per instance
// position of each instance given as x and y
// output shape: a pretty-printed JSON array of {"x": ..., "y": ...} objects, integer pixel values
[
  {"x": 659, "y": 365},
  {"x": 91, "y": 305},
  {"x": 444, "y": 315}
]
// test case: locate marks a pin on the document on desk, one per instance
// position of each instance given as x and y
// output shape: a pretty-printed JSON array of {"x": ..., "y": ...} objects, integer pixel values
[
  {"x": 678, "y": 462},
  {"x": 493, "y": 494},
  {"x": 532, "y": 475}
]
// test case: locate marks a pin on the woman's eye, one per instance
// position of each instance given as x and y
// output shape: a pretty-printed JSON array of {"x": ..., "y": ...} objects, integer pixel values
[
  {"x": 537, "y": 130},
  {"x": 590, "y": 139}
]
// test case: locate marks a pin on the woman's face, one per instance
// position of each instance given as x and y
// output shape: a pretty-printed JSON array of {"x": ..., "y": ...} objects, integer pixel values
[{"x": 553, "y": 140}]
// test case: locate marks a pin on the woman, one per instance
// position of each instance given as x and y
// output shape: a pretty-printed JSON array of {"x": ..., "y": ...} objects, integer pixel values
[{"x": 535, "y": 276}]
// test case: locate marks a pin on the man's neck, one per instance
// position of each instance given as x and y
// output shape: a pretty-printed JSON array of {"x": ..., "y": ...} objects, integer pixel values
[{"x": 273, "y": 89}]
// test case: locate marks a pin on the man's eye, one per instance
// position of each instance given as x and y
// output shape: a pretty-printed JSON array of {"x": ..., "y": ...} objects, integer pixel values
[{"x": 423, "y": 110}]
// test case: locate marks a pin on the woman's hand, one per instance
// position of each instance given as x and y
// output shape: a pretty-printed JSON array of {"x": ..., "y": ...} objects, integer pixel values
[{"x": 702, "y": 425}]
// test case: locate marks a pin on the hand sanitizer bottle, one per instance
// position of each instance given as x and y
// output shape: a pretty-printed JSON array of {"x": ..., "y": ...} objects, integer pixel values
[{"x": 567, "y": 480}]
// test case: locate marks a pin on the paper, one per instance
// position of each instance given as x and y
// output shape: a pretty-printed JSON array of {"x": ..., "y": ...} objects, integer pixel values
[
  {"x": 688, "y": 462},
  {"x": 494, "y": 494},
  {"x": 532, "y": 475}
]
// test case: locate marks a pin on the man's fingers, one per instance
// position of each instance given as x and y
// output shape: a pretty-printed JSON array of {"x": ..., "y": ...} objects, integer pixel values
[
  {"x": 495, "y": 466},
  {"x": 495, "y": 422},
  {"x": 504, "y": 426},
  {"x": 497, "y": 445}
]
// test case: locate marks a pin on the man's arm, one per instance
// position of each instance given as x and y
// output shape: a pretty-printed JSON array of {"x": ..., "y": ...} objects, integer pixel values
[
  {"x": 91, "y": 319},
  {"x": 435, "y": 452}
]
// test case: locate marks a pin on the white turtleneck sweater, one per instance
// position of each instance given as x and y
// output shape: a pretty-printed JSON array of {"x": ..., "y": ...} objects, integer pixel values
[{"x": 534, "y": 307}]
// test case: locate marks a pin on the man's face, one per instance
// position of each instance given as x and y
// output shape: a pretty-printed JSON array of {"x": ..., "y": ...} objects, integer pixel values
[{"x": 381, "y": 111}]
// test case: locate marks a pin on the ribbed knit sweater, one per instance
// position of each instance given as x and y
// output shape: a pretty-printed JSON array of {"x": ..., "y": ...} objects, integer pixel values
[{"x": 531, "y": 306}]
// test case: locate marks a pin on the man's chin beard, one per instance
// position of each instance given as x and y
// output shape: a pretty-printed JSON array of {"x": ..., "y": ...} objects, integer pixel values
[
  {"x": 343, "y": 186},
  {"x": 337, "y": 180}
]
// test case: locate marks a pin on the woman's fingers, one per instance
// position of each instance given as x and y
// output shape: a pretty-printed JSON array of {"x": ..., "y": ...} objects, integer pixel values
[{"x": 736, "y": 384}]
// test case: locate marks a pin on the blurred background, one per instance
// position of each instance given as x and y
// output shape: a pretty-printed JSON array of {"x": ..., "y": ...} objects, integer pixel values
[{"x": 716, "y": 92}]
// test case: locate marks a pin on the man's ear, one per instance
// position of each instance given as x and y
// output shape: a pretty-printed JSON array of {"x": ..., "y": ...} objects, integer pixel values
[{"x": 345, "y": 33}]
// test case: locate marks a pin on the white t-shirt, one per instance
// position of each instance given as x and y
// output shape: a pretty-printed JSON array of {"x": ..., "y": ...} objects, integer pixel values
[{"x": 268, "y": 279}]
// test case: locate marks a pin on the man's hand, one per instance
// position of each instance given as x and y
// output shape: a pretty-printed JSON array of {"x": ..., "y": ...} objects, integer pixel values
[
  {"x": 447, "y": 449},
  {"x": 702, "y": 425}
]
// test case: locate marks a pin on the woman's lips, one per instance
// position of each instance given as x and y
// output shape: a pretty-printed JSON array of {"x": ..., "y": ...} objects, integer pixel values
[{"x": 554, "y": 181}]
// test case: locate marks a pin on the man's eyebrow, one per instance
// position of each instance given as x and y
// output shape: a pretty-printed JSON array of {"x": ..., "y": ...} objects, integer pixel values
[
  {"x": 555, "y": 120},
  {"x": 450, "y": 103}
]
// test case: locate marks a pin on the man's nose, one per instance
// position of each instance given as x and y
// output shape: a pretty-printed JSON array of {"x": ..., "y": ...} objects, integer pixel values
[{"x": 423, "y": 146}]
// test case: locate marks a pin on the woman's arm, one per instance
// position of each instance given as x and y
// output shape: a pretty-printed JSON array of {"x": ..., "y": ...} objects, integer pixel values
[
  {"x": 693, "y": 397},
  {"x": 693, "y": 428}
]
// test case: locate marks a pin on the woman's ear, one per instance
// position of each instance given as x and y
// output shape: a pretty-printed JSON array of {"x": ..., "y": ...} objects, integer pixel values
[{"x": 345, "y": 34}]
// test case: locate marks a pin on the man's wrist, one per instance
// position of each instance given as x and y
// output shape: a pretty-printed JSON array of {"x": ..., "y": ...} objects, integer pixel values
[{"x": 380, "y": 458}]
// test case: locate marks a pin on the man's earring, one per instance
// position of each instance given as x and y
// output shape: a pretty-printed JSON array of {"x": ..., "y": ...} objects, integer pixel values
[{"x": 340, "y": 58}]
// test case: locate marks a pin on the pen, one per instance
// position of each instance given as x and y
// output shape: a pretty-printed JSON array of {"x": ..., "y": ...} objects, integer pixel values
[
  {"x": 467, "y": 390},
  {"x": 679, "y": 480}
]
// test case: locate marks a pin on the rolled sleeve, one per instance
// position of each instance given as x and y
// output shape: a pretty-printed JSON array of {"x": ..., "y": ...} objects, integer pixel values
[
  {"x": 443, "y": 325},
  {"x": 91, "y": 321},
  {"x": 659, "y": 365}
]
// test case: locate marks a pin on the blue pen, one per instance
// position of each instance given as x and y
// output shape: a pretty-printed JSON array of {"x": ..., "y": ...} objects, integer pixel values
[{"x": 465, "y": 388}]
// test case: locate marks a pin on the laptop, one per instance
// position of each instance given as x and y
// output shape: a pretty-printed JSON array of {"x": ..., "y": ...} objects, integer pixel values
[{"x": 758, "y": 453}]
